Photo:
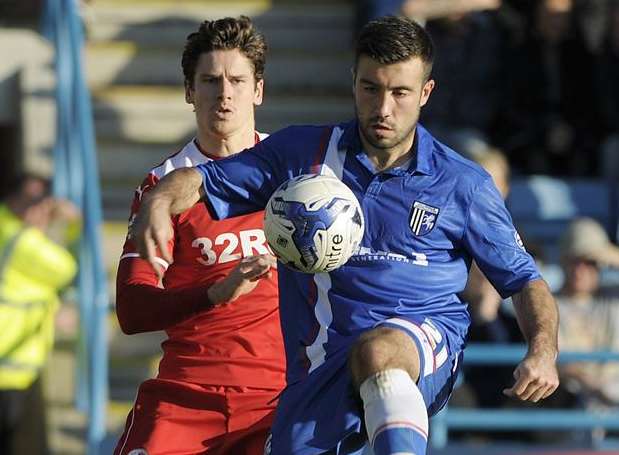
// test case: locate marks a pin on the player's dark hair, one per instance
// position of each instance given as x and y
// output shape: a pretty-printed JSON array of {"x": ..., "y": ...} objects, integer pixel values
[
  {"x": 392, "y": 39},
  {"x": 224, "y": 34}
]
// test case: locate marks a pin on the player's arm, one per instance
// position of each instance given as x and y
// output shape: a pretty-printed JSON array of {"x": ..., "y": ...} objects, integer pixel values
[
  {"x": 236, "y": 185},
  {"x": 142, "y": 306},
  {"x": 175, "y": 193},
  {"x": 497, "y": 249},
  {"x": 536, "y": 310}
]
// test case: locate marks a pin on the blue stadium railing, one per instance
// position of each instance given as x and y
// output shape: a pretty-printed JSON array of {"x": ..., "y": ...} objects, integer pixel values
[
  {"x": 519, "y": 419},
  {"x": 76, "y": 178}
]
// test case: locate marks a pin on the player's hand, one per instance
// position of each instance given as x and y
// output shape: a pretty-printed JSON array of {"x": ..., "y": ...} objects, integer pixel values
[
  {"x": 242, "y": 279},
  {"x": 152, "y": 230},
  {"x": 536, "y": 378}
]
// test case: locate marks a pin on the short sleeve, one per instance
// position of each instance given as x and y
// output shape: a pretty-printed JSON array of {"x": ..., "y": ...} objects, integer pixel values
[
  {"x": 492, "y": 240},
  {"x": 243, "y": 183}
]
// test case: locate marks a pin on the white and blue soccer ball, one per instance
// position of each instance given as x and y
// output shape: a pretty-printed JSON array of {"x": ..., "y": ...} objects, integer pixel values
[{"x": 313, "y": 223}]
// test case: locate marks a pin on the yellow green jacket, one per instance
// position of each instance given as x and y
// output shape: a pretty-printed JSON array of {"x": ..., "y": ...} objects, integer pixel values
[{"x": 32, "y": 271}]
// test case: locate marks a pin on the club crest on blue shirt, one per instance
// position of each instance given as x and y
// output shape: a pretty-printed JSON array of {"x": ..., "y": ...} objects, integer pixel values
[{"x": 423, "y": 218}]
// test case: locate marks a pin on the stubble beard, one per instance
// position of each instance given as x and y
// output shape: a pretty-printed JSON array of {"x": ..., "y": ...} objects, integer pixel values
[{"x": 389, "y": 144}]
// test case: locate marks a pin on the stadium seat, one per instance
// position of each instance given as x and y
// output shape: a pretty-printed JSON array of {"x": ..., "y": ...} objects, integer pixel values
[{"x": 542, "y": 207}]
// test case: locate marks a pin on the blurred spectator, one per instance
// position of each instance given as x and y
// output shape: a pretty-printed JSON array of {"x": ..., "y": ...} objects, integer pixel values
[
  {"x": 420, "y": 10},
  {"x": 608, "y": 96},
  {"x": 589, "y": 318},
  {"x": 368, "y": 10},
  {"x": 423, "y": 10},
  {"x": 594, "y": 19},
  {"x": 496, "y": 164},
  {"x": 549, "y": 124},
  {"x": 520, "y": 74},
  {"x": 32, "y": 270},
  {"x": 467, "y": 71}
]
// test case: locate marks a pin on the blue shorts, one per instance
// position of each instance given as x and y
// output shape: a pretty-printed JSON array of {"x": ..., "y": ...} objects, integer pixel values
[{"x": 323, "y": 414}]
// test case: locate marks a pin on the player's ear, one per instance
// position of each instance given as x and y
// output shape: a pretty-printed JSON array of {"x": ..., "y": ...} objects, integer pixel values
[
  {"x": 353, "y": 73},
  {"x": 259, "y": 92},
  {"x": 188, "y": 93},
  {"x": 426, "y": 91}
]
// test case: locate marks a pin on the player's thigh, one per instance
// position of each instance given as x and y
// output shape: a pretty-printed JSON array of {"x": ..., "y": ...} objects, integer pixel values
[
  {"x": 251, "y": 414},
  {"x": 439, "y": 362},
  {"x": 382, "y": 348},
  {"x": 250, "y": 407},
  {"x": 174, "y": 418}
]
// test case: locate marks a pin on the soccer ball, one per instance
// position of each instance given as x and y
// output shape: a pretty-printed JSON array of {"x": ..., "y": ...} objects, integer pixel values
[{"x": 313, "y": 223}]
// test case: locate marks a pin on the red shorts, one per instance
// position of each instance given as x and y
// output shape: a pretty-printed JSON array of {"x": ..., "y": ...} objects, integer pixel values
[{"x": 171, "y": 417}]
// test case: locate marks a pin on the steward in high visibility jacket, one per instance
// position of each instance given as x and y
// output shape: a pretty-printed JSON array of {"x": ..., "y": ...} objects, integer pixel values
[{"x": 32, "y": 270}]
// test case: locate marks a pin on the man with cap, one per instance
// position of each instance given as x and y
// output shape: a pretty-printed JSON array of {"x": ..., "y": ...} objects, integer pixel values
[{"x": 589, "y": 316}]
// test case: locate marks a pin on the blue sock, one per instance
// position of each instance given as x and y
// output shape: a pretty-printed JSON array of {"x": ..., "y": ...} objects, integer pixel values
[{"x": 399, "y": 440}]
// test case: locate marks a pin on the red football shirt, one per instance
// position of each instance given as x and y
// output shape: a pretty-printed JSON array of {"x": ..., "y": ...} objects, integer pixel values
[{"x": 239, "y": 344}]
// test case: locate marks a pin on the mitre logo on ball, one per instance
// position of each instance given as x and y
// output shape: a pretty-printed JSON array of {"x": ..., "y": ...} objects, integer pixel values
[{"x": 313, "y": 223}]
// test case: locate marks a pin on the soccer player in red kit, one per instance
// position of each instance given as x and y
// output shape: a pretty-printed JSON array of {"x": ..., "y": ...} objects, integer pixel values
[{"x": 223, "y": 362}]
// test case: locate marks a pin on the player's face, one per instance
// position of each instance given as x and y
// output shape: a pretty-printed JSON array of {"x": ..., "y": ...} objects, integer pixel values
[
  {"x": 224, "y": 93},
  {"x": 388, "y": 99}
]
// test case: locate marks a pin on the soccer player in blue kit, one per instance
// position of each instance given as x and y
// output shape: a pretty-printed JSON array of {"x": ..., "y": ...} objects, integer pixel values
[{"x": 374, "y": 347}]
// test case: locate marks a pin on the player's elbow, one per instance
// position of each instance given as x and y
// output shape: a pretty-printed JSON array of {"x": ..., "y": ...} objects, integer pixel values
[
  {"x": 127, "y": 328},
  {"x": 128, "y": 319}
]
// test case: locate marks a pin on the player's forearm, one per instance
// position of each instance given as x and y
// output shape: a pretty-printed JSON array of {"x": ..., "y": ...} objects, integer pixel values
[
  {"x": 145, "y": 308},
  {"x": 538, "y": 318},
  {"x": 177, "y": 191},
  {"x": 433, "y": 9}
]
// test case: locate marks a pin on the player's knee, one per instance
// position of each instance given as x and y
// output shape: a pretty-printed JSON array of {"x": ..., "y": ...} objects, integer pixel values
[
  {"x": 380, "y": 349},
  {"x": 371, "y": 351}
]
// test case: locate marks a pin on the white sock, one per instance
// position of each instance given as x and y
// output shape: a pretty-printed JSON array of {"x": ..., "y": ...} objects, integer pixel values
[{"x": 396, "y": 418}]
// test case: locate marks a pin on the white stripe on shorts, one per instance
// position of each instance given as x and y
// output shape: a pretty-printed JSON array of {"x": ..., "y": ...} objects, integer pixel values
[{"x": 422, "y": 337}]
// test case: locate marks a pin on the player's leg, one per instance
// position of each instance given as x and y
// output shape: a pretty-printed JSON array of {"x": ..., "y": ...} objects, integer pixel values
[
  {"x": 250, "y": 416},
  {"x": 174, "y": 417},
  {"x": 385, "y": 365},
  {"x": 251, "y": 442},
  {"x": 434, "y": 363}
]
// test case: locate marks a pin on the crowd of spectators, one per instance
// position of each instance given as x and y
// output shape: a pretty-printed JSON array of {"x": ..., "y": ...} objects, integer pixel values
[
  {"x": 534, "y": 78},
  {"x": 589, "y": 322}
]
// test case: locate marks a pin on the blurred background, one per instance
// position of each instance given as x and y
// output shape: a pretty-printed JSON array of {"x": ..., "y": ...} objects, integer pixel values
[{"x": 91, "y": 97}]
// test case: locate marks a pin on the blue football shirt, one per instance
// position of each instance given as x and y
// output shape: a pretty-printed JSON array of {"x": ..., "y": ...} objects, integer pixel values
[{"x": 424, "y": 224}]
